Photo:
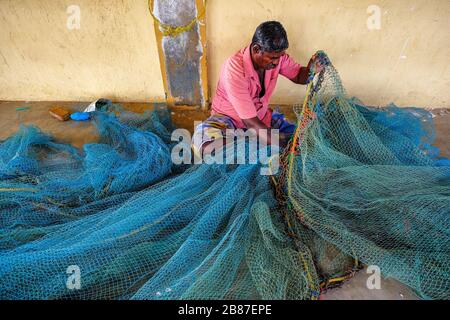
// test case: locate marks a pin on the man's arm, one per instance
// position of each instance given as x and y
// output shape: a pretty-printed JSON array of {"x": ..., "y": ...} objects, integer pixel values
[
  {"x": 303, "y": 74},
  {"x": 319, "y": 61},
  {"x": 257, "y": 124}
]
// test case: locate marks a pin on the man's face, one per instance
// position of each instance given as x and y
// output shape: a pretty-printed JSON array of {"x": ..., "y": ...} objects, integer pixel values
[{"x": 266, "y": 60}]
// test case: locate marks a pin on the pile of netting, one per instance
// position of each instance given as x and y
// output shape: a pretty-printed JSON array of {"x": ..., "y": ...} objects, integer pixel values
[
  {"x": 358, "y": 185},
  {"x": 371, "y": 185}
]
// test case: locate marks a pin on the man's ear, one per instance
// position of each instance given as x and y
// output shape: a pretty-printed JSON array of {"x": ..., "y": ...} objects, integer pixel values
[{"x": 256, "y": 48}]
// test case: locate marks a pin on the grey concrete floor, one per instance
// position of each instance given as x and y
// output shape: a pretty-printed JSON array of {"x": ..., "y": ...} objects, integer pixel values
[
  {"x": 357, "y": 289},
  {"x": 79, "y": 133}
]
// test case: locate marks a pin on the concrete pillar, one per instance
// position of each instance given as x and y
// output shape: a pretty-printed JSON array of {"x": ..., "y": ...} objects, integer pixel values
[{"x": 182, "y": 51}]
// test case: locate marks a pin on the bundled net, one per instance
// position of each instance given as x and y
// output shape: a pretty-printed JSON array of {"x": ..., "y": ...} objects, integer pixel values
[
  {"x": 357, "y": 186},
  {"x": 369, "y": 183}
]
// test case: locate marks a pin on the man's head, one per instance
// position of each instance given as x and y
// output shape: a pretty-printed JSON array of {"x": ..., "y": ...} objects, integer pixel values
[{"x": 268, "y": 44}]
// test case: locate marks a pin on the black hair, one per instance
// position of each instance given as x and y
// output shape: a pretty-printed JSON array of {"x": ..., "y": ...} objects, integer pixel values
[{"x": 271, "y": 37}]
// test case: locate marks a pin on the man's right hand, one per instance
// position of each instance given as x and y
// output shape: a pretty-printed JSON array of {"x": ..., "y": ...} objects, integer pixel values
[
  {"x": 257, "y": 125},
  {"x": 319, "y": 60}
]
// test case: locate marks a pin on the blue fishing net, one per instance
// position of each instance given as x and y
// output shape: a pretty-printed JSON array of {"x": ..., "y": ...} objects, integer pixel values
[
  {"x": 370, "y": 182},
  {"x": 364, "y": 185}
]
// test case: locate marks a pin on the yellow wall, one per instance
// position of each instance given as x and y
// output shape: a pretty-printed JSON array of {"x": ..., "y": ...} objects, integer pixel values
[
  {"x": 406, "y": 62},
  {"x": 112, "y": 55}
]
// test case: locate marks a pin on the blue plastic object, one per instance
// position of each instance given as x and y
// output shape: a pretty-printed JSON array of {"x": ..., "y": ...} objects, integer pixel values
[{"x": 80, "y": 116}]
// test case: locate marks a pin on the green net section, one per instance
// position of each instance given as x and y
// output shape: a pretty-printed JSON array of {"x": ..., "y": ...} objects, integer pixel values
[{"x": 363, "y": 182}]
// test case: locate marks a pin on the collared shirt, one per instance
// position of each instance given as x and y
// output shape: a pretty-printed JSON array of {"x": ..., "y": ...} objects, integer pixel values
[{"x": 239, "y": 88}]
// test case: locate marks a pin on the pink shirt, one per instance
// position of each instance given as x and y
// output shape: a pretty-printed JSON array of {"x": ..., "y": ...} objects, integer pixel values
[{"x": 237, "y": 94}]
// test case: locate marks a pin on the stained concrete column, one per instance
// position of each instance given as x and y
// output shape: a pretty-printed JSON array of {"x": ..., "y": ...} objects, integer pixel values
[{"x": 183, "y": 54}]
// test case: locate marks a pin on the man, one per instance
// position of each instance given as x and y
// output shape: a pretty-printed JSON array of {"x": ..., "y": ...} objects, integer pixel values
[{"x": 247, "y": 81}]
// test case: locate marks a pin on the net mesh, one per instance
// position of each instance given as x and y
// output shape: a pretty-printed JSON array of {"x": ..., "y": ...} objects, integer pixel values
[
  {"x": 369, "y": 182},
  {"x": 358, "y": 185}
]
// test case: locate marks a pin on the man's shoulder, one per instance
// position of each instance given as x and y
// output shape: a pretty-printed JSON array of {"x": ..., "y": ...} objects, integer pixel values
[
  {"x": 234, "y": 65},
  {"x": 285, "y": 58}
]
